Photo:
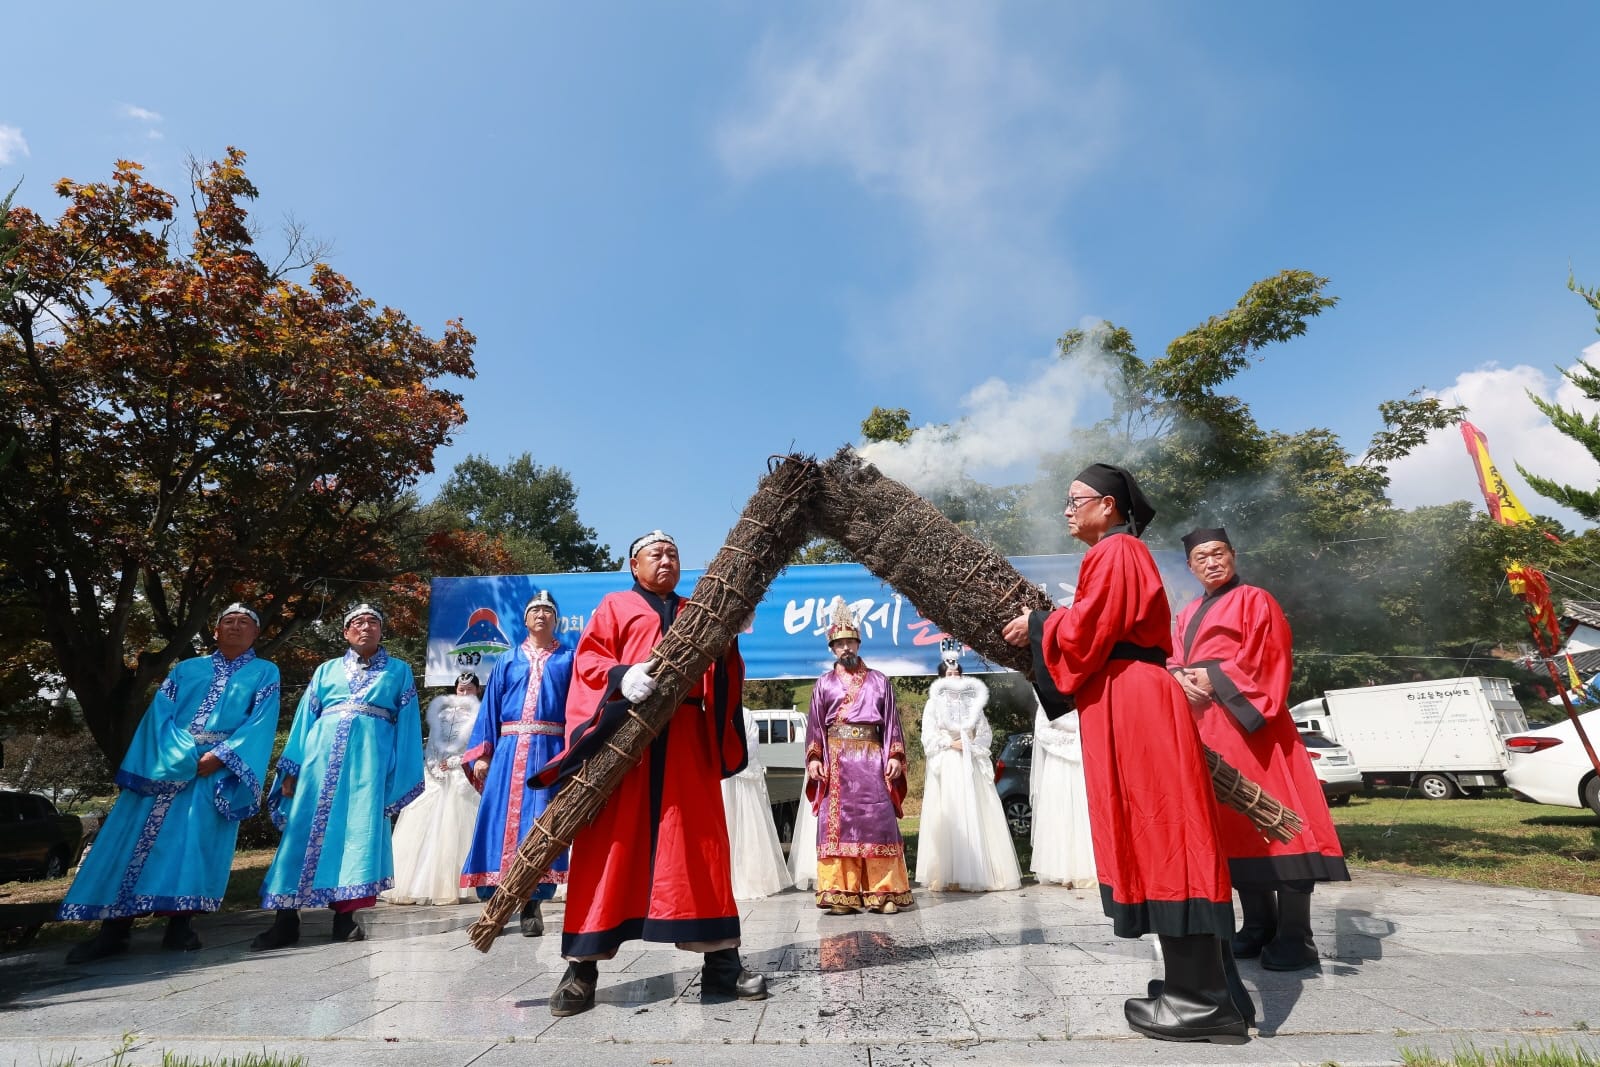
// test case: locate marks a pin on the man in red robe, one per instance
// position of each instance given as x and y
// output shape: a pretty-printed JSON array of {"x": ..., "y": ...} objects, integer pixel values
[
  {"x": 1232, "y": 657},
  {"x": 1151, "y": 809},
  {"x": 654, "y": 864}
]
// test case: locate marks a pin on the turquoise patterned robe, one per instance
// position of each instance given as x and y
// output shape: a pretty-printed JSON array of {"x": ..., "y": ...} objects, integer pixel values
[
  {"x": 168, "y": 843},
  {"x": 355, "y": 750}
]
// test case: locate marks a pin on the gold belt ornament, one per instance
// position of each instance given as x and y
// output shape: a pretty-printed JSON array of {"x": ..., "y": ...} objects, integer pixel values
[{"x": 847, "y": 732}]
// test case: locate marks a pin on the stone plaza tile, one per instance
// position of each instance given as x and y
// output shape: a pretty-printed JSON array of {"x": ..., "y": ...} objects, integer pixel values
[
  {"x": 1125, "y": 979},
  {"x": 1535, "y": 1008},
  {"x": 1118, "y": 950},
  {"x": 815, "y": 985},
  {"x": 477, "y": 1020},
  {"x": 685, "y": 1022},
  {"x": 267, "y": 1018},
  {"x": 1331, "y": 1011},
  {"x": 1018, "y": 1017},
  {"x": 1477, "y": 942},
  {"x": 433, "y": 988},
  {"x": 920, "y": 1019},
  {"x": 1091, "y": 1015},
  {"x": 256, "y": 987},
  {"x": 87, "y": 1022}
]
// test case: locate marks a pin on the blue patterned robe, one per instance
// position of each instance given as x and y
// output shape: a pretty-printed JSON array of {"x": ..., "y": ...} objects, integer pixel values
[
  {"x": 516, "y": 745},
  {"x": 168, "y": 843},
  {"x": 355, "y": 751}
]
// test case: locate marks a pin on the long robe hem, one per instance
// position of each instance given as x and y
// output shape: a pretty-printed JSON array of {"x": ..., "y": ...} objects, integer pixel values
[
  {"x": 1271, "y": 872},
  {"x": 1168, "y": 918},
  {"x": 670, "y": 931}
]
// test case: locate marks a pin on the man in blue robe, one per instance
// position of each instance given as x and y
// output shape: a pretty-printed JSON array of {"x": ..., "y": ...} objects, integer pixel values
[
  {"x": 353, "y": 760},
  {"x": 521, "y": 727},
  {"x": 192, "y": 773}
]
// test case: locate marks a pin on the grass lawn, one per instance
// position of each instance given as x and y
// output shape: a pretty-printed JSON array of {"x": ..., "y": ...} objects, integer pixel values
[{"x": 1491, "y": 838}]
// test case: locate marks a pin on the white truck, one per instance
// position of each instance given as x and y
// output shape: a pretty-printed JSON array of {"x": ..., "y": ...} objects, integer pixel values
[{"x": 1446, "y": 737}]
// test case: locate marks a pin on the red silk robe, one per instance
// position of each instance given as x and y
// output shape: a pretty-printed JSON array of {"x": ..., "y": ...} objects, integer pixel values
[
  {"x": 1239, "y": 636},
  {"x": 654, "y": 864},
  {"x": 1152, "y": 813}
]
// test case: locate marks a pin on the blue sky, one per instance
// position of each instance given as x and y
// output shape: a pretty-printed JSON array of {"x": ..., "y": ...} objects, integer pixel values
[{"x": 689, "y": 236}]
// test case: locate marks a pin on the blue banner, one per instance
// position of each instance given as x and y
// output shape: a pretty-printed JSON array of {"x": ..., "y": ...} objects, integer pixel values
[{"x": 472, "y": 622}]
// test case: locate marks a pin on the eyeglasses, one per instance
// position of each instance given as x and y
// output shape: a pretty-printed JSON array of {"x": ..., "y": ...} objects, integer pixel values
[{"x": 1076, "y": 502}]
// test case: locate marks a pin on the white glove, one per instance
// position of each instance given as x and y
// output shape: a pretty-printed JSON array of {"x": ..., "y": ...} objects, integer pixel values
[{"x": 637, "y": 685}]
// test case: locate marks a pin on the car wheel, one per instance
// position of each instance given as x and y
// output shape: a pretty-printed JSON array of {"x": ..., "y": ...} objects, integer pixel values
[
  {"x": 1340, "y": 801},
  {"x": 1019, "y": 815},
  {"x": 1591, "y": 794},
  {"x": 55, "y": 866},
  {"x": 1436, "y": 787}
]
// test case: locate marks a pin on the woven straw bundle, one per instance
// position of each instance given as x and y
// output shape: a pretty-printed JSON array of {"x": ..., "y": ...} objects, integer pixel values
[{"x": 966, "y": 589}]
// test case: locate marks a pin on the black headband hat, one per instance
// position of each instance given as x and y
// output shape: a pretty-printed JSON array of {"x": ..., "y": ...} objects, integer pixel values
[
  {"x": 1201, "y": 534},
  {"x": 1119, "y": 485}
]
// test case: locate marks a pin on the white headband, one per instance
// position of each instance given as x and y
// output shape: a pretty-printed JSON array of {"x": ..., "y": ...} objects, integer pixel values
[
  {"x": 651, "y": 538},
  {"x": 362, "y": 609},
  {"x": 237, "y": 608}
]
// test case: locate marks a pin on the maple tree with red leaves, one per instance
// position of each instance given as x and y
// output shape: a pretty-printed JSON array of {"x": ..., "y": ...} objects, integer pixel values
[{"x": 182, "y": 423}]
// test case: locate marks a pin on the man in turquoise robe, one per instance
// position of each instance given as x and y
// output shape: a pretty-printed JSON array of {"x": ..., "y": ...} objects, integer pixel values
[
  {"x": 353, "y": 760},
  {"x": 193, "y": 771}
]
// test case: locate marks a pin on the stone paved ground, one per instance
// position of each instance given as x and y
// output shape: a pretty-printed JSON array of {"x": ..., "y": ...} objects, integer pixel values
[{"x": 1032, "y": 976}]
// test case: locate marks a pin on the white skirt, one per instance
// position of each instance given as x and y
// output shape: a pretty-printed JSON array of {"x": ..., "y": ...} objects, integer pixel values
[
  {"x": 431, "y": 841},
  {"x": 758, "y": 867},
  {"x": 1063, "y": 850},
  {"x": 803, "y": 847},
  {"x": 964, "y": 842}
]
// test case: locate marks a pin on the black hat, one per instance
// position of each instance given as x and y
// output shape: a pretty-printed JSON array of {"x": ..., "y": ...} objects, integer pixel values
[
  {"x": 1119, "y": 484},
  {"x": 1201, "y": 534}
]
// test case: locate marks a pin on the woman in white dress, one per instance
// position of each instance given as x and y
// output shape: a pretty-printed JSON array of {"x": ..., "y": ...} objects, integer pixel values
[
  {"x": 803, "y": 847},
  {"x": 964, "y": 842},
  {"x": 1063, "y": 852},
  {"x": 758, "y": 866},
  {"x": 434, "y": 831}
]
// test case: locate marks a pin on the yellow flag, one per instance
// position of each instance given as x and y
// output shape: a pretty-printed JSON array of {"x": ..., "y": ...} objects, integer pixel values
[{"x": 1504, "y": 507}]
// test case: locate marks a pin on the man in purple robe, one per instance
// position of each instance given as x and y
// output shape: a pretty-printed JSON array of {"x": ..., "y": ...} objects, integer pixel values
[{"x": 856, "y": 780}]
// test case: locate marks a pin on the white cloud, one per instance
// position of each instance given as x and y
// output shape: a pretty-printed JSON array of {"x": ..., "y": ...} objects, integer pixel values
[
  {"x": 1497, "y": 403},
  {"x": 12, "y": 144},
  {"x": 929, "y": 106},
  {"x": 151, "y": 119}
]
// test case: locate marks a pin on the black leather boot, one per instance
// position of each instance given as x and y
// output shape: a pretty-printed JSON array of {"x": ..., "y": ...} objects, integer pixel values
[
  {"x": 284, "y": 931},
  {"x": 724, "y": 975},
  {"x": 575, "y": 994},
  {"x": 1195, "y": 1003},
  {"x": 1259, "y": 925},
  {"x": 180, "y": 935},
  {"x": 1237, "y": 990},
  {"x": 112, "y": 938},
  {"x": 1293, "y": 949},
  {"x": 532, "y": 920},
  {"x": 345, "y": 927}
]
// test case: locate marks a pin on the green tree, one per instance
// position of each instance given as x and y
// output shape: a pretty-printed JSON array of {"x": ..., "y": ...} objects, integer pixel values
[
  {"x": 1585, "y": 430},
  {"x": 532, "y": 509},
  {"x": 190, "y": 423}
]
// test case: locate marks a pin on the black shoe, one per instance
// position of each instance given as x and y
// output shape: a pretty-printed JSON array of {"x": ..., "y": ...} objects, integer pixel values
[
  {"x": 1237, "y": 991},
  {"x": 1194, "y": 1003},
  {"x": 1293, "y": 949},
  {"x": 180, "y": 936},
  {"x": 1259, "y": 924},
  {"x": 284, "y": 931},
  {"x": 110, "y": 940},
  {"x": 575, "y": 994},
  {"x": 724, "y": 975},
  {"x": 345, "y": 927},
  {"x": 532, "y": 920}
]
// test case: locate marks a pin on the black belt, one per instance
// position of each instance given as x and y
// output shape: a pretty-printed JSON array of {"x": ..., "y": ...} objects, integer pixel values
[
  {"x": 696, "y": 702},
  {"x": 1142, "y": 653}
]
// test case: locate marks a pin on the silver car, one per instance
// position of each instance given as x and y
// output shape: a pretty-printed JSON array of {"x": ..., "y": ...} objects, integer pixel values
[{"x": 1334, "y": 766}]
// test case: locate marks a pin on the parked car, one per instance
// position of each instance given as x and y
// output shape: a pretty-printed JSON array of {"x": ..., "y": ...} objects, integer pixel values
[
  {"x": 1551, "y": 767},
  {"x": 1011, "y": 781},
  {"x": 1334, "y": 766},
  {"x": 36, "y": 841}
]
